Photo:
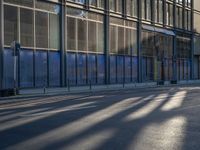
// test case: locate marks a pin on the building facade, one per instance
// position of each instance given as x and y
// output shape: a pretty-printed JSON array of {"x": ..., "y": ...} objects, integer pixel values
[{"x": 82, "y": 42}]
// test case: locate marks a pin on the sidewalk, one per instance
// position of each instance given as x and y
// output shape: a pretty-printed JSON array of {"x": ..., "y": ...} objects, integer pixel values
[{"x": 136, "y": 87}]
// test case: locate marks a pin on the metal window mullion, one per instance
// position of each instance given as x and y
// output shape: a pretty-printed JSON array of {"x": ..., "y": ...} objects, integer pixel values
[
  {"x": 48, "y": 78},
  {"x": 117, "y": 34},
  {"x": 97, "y": 38},
  {"x": 18, "y": 25},
  {"x": 76, "y": 34},
  {"x": 48, "y": 26}
]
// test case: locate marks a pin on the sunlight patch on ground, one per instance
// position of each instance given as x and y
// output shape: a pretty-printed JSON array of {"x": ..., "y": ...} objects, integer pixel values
[
  {"x": 169, "y": 135},
  {"x": 91, "y": 142},
  {"x": 31, "y": 116},
  {"x": 175, "y": 102},
  {"x": 70, "y": 130},
  {"x": 147, "y": 109}
]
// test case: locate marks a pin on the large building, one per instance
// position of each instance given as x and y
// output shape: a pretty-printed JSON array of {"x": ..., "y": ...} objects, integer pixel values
[{"x": 82, "y": 42}]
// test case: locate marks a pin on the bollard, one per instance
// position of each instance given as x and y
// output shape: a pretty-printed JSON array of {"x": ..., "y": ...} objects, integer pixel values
[
  {"x": 68, "y": 85},
  {"x": 44, "y": 90},
  {"x": 90, "y": 85},
  {"x": 123, "y": 84}
]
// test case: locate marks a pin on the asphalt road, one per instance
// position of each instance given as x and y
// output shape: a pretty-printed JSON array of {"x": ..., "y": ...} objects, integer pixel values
[{"x": 152, "y": 119}]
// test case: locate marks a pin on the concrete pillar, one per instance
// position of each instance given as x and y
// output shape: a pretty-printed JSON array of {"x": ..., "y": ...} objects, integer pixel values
[
  {"x": 1, "y": 45},
  {"x": 106, "y": 40},
  {"x": 139, "y": 33},
  {"x": 192, "y": 43},
  {"x": 62, "y": 45}
]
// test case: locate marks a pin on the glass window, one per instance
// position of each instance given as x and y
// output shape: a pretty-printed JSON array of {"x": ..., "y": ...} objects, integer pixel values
[
  {"x": 120, "y": 40},
  {"x": 119, "y": 5},
  {"x": 131, "y": 7},
  {"x": 54, "y": 34},
  {"x": 156, "y": 10},
  {"x": 93, "y": 2},
  {"x": 92, "y": 36},
  {"x": 169, "y": 8},
  {"x": 26, "y": 28},
  {"x": 113, "y": 5},
  {"x": 85, "y": 34},
  {"x": 55, "y": 8},
  {"x": 197, "y": 22},
  {"x": 160, "y": 11},
  {"x": 101, "y": 3},
  {"x": 71, "y": 33},
  {"x": 41, "y": 29},
  {"x": 100, "y": 37},
  {"x": 197, "y": 45},
  {"x": 10, "y": 24},
  {"x": 82, "y": 34},
  {"x": 78, "y": 1},
  {"x": 113, "y": 39},
  {"x": 179, "y": 19},
  {"x": 116, "y": 5},
  {"x": 143, "y": 9},
  {"x": 28, "y": 3},
  {"x": 148, "y": 9}
]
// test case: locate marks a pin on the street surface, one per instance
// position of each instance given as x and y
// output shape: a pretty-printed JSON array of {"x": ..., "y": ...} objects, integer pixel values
[{"x": 149, "y": 119}]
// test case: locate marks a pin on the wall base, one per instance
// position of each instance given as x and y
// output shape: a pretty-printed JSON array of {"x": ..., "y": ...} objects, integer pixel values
[{"x": 9, "y": 92}]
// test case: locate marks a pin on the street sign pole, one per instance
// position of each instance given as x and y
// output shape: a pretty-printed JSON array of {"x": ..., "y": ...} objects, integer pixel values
[{"x": 15, "y": 47}]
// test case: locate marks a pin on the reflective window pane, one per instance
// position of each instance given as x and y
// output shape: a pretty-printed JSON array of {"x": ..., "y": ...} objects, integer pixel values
[
  {"x": 54, "y": 34},
  {"x": 82, "y": 34},
  {"x": 28, "y": 3},
  {"x": 41, "y": 27},
  {"x": 26, "y": 27},
  {"x": 92, "y": 36},
  {"x": 71, "y": 33},
  {"x": 10, "y": 24}
]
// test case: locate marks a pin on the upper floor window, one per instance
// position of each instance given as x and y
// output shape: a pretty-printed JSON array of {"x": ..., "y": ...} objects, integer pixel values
[
  {"x": 78, "y": 1},
  {"x": 170, "y": 12},
  {"x": 97, "y": 3},
  {"x": 146, "y": 9},
  {"x": 188, "y": 3},
  {"x": 131, "y": 7},
  {"x": 159, "y": 11},
  {"x": 179, "y": 1},
  {"x": 27, "y": 3},
  {"x": 116, "y": 5}
]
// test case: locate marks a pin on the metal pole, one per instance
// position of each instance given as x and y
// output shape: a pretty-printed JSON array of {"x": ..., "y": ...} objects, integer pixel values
[{"x": 15, "y": 75}]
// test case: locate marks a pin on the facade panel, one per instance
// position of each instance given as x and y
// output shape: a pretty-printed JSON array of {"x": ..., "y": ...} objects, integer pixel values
[
  {"x": 160, "y": 35},
  {"x": 26, "y": 78},
  {"x": 41, "y": 73}
]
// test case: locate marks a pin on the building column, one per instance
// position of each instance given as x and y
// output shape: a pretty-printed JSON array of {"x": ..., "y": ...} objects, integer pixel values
[
  {"x": 1, "y": 45},
  {"x": 174, "y": 46},
  {"x": 106, "y": 40},
  {"x": 139, "y": 33},
  {"x": 164, "y": 13},
  {"x": 62, "y": 45},
  {"x": 174, "y": 59},
  {"x": 192, "y": 43}
]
